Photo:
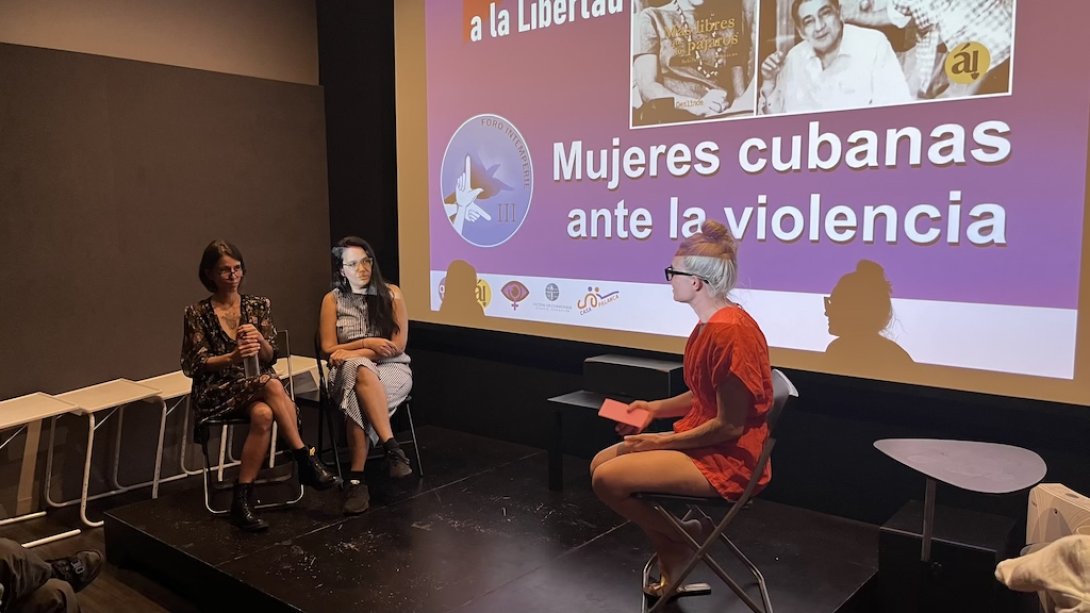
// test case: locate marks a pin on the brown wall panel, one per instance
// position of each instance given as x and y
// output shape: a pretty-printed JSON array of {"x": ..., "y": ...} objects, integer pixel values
[{"x": 114, "y": 174}]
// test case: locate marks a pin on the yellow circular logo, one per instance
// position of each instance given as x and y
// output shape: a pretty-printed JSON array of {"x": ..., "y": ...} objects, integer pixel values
[
  {"x": 967, "y": 63},
  {"x": 484, "y": 293}
]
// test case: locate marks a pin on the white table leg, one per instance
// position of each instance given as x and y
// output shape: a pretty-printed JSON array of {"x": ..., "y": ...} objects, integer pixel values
[
  {"x": 87, "y": 472},
  {"x": 49, "y": 463},
  {"x": 117, "y": 450},
  {"x": 159, "y": 450},
  {"x": 51, "y": 539}
]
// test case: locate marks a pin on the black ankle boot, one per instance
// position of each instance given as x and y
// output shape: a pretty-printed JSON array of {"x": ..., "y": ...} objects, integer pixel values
[
  {"x": 311, "y": 471},
  {"x": 242, "y": 511}
]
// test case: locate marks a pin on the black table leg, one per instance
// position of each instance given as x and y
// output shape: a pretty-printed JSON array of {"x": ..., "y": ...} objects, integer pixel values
[{"x": 556, "y": 453}]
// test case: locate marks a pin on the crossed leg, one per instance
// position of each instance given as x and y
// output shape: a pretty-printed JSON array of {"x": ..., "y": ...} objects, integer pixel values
[
  {"x": 274, "y": 404},
  {"x": 371, "y": 397}
]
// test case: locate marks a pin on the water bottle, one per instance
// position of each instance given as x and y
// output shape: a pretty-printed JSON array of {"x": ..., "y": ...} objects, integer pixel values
[{"x": 252, "y": 366}]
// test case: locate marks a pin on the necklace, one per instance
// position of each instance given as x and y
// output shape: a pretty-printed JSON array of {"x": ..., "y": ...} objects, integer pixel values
[{"x": 710, "y": 73}]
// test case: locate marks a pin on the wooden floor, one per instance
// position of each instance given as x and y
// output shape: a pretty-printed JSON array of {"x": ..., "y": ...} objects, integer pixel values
[
  {"x": 480, "y": 533},
  {"x": 116, "y": 589}
]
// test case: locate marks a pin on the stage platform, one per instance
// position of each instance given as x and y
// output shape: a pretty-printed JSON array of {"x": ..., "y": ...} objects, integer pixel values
[{"x": 480, "y": 533}]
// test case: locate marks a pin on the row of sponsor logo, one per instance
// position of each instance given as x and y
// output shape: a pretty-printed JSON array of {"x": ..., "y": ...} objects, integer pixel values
[{"x": 517, "y": 293}]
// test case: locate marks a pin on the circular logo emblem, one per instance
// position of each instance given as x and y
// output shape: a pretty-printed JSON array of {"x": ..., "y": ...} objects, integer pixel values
[
  {"x": 967, "y": 63},
  {"x": 552, "y": 292},
  {"x": 486, "y": 180},
  {"x": 484, "y": 293}
]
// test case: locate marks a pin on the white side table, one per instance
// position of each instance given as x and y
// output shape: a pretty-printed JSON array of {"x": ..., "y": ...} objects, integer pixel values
[
  {"x": 175, "y": 387},
  {"x": 18, "y": 413},
  {"x": 111, "y": 395}
]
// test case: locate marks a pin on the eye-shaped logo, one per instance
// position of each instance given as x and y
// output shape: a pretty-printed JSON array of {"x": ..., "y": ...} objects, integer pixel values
[{"x": 516, "y": 292}]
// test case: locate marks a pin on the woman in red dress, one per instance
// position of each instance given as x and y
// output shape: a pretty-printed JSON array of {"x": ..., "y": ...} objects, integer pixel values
[{"x": 713, "y": 448}]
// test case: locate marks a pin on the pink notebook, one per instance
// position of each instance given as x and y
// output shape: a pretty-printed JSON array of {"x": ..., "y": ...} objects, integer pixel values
[{"x": 618, "y": 411}]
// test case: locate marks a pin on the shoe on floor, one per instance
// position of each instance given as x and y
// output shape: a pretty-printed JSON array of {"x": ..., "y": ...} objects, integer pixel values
[
  {"x": 356, "y": 497},
  {"x": 398, "y": 463},
  {"x": 79, "y": 570}
]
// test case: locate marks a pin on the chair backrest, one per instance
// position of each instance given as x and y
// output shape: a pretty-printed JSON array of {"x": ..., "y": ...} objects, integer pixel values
[{"x": 783, "y": 393}]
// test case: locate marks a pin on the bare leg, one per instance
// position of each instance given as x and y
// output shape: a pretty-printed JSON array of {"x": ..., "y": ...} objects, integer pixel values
[
  {"x": 372, "y": 401},
  {"x": 257, "y": 442},
  {"x": 616, "y": 479},
  {"x": 605, "y": 455},
  {"x": 283, "y": 410},
  {"x": 357, "y": 444}
]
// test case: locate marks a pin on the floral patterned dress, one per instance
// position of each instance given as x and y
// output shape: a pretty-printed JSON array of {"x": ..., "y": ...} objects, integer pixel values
[{"x": 223, "y": 392}]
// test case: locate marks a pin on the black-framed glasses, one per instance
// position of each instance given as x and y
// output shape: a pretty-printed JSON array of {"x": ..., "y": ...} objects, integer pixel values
[
  {"x": 671, "y": 272},
  {"x": 365, "y": 262}
]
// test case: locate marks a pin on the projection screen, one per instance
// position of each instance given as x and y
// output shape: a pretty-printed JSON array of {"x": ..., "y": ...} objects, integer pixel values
[{"x": 906, "y": 179}]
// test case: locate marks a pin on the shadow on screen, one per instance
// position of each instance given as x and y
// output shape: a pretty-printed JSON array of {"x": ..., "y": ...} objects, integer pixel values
[
  {"x": 859, "y": 311},
  {"x": 462, "y": 295}
]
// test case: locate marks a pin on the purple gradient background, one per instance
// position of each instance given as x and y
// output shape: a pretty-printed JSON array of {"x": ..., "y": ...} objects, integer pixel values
[{"x": 572, "y": 82}]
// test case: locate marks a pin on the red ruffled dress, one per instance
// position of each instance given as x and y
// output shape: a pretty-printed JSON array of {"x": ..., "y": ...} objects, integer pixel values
[{"x": 730, "y": 343}]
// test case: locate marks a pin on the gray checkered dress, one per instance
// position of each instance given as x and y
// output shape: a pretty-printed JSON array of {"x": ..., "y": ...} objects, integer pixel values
[{"x": 394, "y": 373}]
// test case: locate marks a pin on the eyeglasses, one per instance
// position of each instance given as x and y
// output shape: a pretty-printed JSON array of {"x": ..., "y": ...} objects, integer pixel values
[
  {"x": 828, "y": 300},
  {"x": 227, "y": 273},
  {"x": 365, "y": 262},
  {"x": 671, "y": 273}
]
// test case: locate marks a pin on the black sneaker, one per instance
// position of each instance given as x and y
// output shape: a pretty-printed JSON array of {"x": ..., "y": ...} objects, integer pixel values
[
  {"x": 398, "y": 463},
  {"x": 356, "y": 497},
  {"x": 79, "y": 570}
]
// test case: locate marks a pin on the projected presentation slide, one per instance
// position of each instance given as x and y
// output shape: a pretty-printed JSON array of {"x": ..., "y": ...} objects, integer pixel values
[{"x": 906, "y": 178}]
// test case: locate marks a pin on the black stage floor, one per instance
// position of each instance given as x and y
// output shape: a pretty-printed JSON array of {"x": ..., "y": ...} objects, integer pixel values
[{"x": 480, "y": 533}]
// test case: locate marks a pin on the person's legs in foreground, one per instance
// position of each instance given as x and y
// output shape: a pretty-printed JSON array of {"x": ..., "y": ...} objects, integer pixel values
[
  {"x": 32, "y": 584},
  {"x": 371, "y": 396},
  {"x": 616, "y": 476}
]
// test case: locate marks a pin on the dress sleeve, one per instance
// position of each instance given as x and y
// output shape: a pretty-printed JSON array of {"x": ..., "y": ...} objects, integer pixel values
[
  {"x": 736, "y": 351},
  {"x": 263, "y": 321},
  {"x": 194, "y": 343}
]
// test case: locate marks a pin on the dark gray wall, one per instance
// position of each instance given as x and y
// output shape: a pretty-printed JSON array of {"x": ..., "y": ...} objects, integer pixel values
[
  {"x": 114, "y": 175},
  {"x": 356, "y": 64}
]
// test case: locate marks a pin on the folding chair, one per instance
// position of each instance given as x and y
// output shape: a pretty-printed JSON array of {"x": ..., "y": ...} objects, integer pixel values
[
  {"x": 202, "y": 433},
  {"x": 327, "y": 409},
  {"x": 783, "y": 393}
]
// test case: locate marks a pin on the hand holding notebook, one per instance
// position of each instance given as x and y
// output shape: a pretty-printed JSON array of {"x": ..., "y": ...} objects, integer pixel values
[{"x": 619, "y": 412}]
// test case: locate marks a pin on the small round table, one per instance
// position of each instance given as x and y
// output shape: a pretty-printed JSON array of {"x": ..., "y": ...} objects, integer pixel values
[{"x": 988, "y": 468}]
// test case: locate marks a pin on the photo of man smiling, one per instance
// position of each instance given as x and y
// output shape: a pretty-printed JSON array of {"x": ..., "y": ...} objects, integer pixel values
[{"x": 834, "y": 66}]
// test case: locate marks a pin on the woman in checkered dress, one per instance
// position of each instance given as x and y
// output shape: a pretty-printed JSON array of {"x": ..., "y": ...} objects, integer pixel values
[{"x": 363, "y": 329}]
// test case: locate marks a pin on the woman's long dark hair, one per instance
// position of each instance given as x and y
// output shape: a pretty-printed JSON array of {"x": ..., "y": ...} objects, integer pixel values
[{"x": 379, "y": 300}]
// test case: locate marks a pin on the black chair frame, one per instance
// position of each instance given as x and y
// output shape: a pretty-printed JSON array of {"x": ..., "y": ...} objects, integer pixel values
[{"x": 327, "y": 410}]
